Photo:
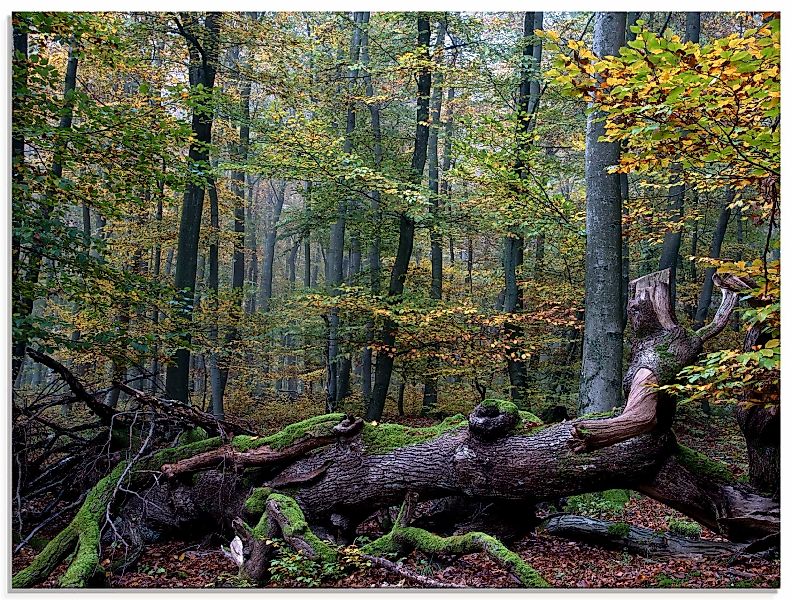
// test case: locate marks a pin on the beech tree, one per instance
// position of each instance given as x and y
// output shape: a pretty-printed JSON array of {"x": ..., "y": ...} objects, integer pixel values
[{"x": 600, "y": 379}]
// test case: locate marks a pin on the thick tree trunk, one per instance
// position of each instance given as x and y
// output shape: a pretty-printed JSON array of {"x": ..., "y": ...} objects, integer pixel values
[
  {"x": 602, "y": 338},
  {"x": 338, "y": 470}
]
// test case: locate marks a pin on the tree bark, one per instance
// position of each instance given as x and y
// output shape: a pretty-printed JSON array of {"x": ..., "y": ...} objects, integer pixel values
[
  {"x": 705, "y": 298},
  {"x": 602, "y": 339},
  {"x": 387, "y": 335},
  {"x": 435, "y": 235},
  {"x": 660, "y": 349},
  {"x": 270, "y": 241},
  {"x": 203, "y": 45},
  {"x": 23, "y": 301},
  {"x": 676, "y": 195}
]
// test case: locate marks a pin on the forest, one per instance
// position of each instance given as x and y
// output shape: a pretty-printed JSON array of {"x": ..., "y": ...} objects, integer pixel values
[{"x": 395, "y": 300}]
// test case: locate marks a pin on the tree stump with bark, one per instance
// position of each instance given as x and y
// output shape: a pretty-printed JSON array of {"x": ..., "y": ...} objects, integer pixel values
[{"x": 661, "y": 348}]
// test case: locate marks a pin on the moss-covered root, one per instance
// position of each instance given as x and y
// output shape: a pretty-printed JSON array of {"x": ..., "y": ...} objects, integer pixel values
[
  {"x": 413, "y": 537},
  {"x": 291, "y": 522},
  {"x": 403, "y": 538},
  {"x": 81, "y": 537}
]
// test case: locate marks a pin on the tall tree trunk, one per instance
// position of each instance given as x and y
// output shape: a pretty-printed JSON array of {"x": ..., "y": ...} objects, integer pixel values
[
  {"x": 155, "y": 275},
  {"x": 374, "y": 248},
  {"x": 335, "y": 272},
  {"x": 219, "y": 368},
  {"x": 24, "y": 300},
  {"x": 705, "y": 298},
  {"x": 600, "y": 381},
  {"x": 676, "y": 195},
  {"x": 19, "y": 65},
  {"x": 514, "y": 243},
  {"x": 251, "y": 244},
  {"x": 435, "y": 235},
  {"x": 270, "y": 241},
  {"x": 203, "y": 44},
  {"x": 387, "y": 335}
]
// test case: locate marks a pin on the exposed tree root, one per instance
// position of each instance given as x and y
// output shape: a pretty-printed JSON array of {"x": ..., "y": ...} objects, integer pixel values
[
  {"x": 84, "y": 532},
  {"x": 403, "y": 538}
]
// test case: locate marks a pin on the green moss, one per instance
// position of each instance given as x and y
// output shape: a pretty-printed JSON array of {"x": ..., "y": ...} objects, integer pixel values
[
  {"x": 468, "y": 543},
  {"x": 685, "y": 528},
  {"x": 297, "y": 526},
  {"x": 504, "y": 406},
  {"x": 701, "y": 464},
  {"x": 49, "y": 558},
  {"x": 256, "y": 503},
  {"x": 529, "y": 419},
  {"x": 385, "y": 437},
  {"x": 196, "y": 434},
  {"x": 83, "y": 533},
  {"x": 312, "y": 427},
  {"x": 619, "y": 529}
]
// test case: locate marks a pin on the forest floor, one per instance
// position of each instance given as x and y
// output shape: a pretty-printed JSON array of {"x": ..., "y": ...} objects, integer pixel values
[{"x": 563, "y": 563}]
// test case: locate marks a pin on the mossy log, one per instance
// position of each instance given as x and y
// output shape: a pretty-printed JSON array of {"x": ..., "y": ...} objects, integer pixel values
[
  {"x": 316, "y": 496},
  {"x": 638, "y": 540}
]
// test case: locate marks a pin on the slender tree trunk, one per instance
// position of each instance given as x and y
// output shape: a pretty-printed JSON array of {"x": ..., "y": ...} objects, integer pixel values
[
  {"x": 203, "y": 62},
  {"x": 24, "y": 300},
  {"x": 676, "y": 195},
  {"x": 387, "y": 335},
  {"x": 374, "y": 248},
  {"x": 705, "y": 298},
  {"x": 338, "y": 368},
  {"x": 514, "y": 243},
  {"x": 435, "y": 235},
  {"x": 251, "y": 227},
  {"x": 600, "y": 382},
  {"x": 270, "y": 241}
]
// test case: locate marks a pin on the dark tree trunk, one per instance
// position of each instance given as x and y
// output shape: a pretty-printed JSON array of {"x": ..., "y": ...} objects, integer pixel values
[
  {"x": 759, "y": 417},
  {"x": 514, "y": 243},
  {"x": 435, "y": 235},
  {"x": 23, "y": 301},
  {"x": 203, "y": 61},
  {"x": 676, "y": 195},
  {"x": 387, "y": 336},
  {"x": 335, "y": 269},
  {"x": 600, "y": 380},
  {"x": 374, "y": 249},
  {"x": 705, "y": 298}
]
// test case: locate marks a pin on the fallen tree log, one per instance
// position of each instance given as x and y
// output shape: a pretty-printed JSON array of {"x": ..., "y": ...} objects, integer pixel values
[
  {"x": 312, "y": 483},
  {"x": 379, "y": 465},
  {"x": 639, "y": 540}
]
